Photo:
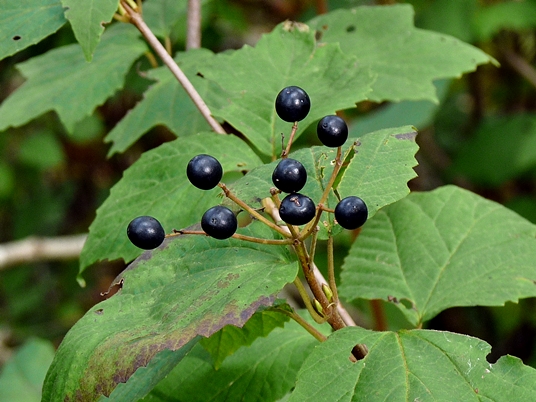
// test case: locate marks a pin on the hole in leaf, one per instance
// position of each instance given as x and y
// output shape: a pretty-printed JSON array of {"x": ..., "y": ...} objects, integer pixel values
[
  {"x": 350, "y": 28},
  {"x": 99, "y": 311},
  {"x": 357, "y": 353},
  {"x": 17, "y": 37},
  {"x": 200, "y": 75},
  {"x": 407, "y": 304},
  {"x": 318, "y": 35}
]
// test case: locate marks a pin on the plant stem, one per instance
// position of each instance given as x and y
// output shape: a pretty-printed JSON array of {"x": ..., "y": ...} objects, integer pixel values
[
  {"x": 238, "y": 236},
  {"x": 331, "y": 271},
  {"x": 311, "y": 226},
  {"x": 334, "y": 318},
  {"x": 136, "y": 19},
  {"x": 308, "y": 327},
  {"x": 251, "y": 211},
  {"x": 193, "y": 33},
  {"x": 285, "y": 153},
  {"x": 274, "y": 212},
  {"x": 305, "y": 297},
  {"x": 336, "y": 169},
  {"x": 312, "y": 250},
  {"x": 379, "y": 315}
]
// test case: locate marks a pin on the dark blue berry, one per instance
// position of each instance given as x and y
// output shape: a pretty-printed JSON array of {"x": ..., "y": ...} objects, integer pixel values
[
  {"x": 292, "y": 104},
  {"x": 289, "y": 176},
  {"x": 297, "y": 209},
  {"x": 219, "y": 222},
  {"x": 145, "y": 232},
  {"x": 204, "y": 171},
  {"x": 351, "y": 212},
  {"x": 332, "y": 131}
]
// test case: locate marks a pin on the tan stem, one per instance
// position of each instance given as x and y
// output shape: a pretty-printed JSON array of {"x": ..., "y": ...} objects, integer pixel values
[
  {"x": 136, "y": 19},
  {"x": 251, "y": 211},
  {"x": 234, "y": 236},
  {"x": 34, "y": 249},
  {"x": 193, "y": 34}
]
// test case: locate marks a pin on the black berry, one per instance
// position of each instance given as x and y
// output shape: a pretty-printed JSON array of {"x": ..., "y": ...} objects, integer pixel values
[
  {"x": 145, "y": 232},
  {"x": 204, "y": 171},
  {"x": 297, "y": 209},
  {"x": 351, "y": 212},
  {"x": 219, "y": 222},
  {"x": 292, "y": 104},
  {"x": 332, "y": 131},
  {"x": 289, "y": 176}
]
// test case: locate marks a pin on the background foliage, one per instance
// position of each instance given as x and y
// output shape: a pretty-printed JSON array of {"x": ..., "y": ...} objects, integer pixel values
[{"x": 61, "y": 155}]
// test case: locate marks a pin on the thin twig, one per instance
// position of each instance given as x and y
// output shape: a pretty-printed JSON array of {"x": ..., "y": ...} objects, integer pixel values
[
  {"x": 305, "y": 297},
  {"x": 193, "y": 33},
  {"x": 286, "y": 151},
  {"x": 308, "y": 327},
  {"x": 250, "y": 210},
  {"x": 521, "y": 66},
  {"x": 331, "y": 271},
  {"x": 336, "y": 170},
  {"x": 278, "y": 242},
  {"x": 34, "y": 249},
  {"x": 137, "y": 20}
]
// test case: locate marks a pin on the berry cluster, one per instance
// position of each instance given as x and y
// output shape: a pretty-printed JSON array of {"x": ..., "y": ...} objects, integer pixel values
[
  {"x": 205, "y": 172},
  {"x": 292, "y": 104}
]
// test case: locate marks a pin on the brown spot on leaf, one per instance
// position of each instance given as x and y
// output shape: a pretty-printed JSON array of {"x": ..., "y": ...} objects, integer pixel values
[{"x": 118, "y": 357}]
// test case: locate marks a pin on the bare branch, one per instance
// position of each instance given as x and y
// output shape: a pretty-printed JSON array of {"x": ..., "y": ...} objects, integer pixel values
[
  {"x": 193, "y": 34},
  {"x": 136, "y": 19},
  {"x": 33, "y": 249}
]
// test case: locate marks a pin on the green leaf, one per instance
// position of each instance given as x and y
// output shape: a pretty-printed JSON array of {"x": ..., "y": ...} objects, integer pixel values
[
  {"x": 289, "y": 55},
  {"x": 405, "y": 59},
  {"x": 167, "y": 103},
  {"x": 162, "y": 15},
  {"x": 317, "y": 162},
  {"x": 157, "y": 185},
  {"x": 145, "y": 378},
  {"x": 512, "y": 15},
  {"x": 440, "y": 249},
  {"x": 87, "y": 18},
  {"x": 451, "y": 17},
  {"x": 229, "y": 339},
  {"x": 381, "y": 168},
  {"x": 265, "y": 371},
  {"x": 22, "y": 376},
  {"x": 193, "y": 285},
  {"x": 501, "y": 149},
  {"x": 63, "y": 81},
  {"x": 168, "y": 18},
  {"x": 416, "y": 365},
  {"x": 27, "y": 22},
  {"x": 419, "y": 114}
]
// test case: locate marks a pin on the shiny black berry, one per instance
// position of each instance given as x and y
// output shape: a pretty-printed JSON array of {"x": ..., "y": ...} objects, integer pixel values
[
  {"x": 289, "y": 176},
  {"x": 145, "y": 232},
  {"x": 297, "y": 209},
  {"x": 332, "y": 131},
  {"x": 351, "y": 212},
  {"x": 219, "y": 222},
  {"x": 204, "y": 171},
  {"x": 292, "y": 104}
]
